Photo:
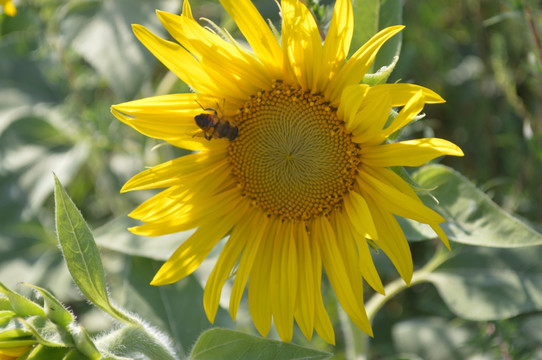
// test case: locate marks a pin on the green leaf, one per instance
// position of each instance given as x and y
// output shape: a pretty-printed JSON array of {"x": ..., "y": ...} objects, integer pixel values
[
  {"x": 471, "y": 217},
  {"x": 229, "y": 344},
  {"x": 100, "y": 31},
  {"x": 21, "y": 305},
  {"x": 481, "y": 283},
  {"x": 391, "y": 13},
  {"x": 54, "y": 309},
  {"x": 371, "y": 16},
  {"x": 531, "y": 333},
  {"x": 366, "y": 14},
  {"x": 82, "y": 255},
  {"x": 432, "y": 338},
  {"x": 47, "y": 332}
]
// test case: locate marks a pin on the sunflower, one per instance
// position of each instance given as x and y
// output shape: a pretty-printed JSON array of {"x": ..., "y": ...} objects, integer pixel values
[
  {"x": 294, "y": 163},
  {"x": 9, "y": 8}
]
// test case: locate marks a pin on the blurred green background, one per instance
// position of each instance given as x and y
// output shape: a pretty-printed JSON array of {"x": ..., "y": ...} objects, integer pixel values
[{"x": 63, "y": 63}]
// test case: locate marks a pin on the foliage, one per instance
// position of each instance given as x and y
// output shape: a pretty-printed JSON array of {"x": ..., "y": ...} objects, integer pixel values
[{"x": 63, "y": 63}]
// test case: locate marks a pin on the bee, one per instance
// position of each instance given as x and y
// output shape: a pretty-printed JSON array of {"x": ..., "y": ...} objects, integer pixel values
[{"x": 215, "y": 126}]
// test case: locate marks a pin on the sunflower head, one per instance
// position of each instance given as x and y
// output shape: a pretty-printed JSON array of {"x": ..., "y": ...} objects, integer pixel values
[{"x": 294, "y": 165}]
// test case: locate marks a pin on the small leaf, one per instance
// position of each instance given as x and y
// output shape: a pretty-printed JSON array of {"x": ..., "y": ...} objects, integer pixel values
[
  {"x": 81, "y": 254},
  {"x": 21, "y": 305},
  {"x": 482, "y": 283},
  {"x": 54, "y": 309},
  {"x": 380, "y": 77},
  {"x": 83, "y": 342},
  {"x": 229, "y": 344},
  {"x": 47, "y": 332}
]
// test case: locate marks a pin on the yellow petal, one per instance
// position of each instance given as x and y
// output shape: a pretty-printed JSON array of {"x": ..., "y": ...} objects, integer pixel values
[
  {"x": 301, "y": 42},
  {"x": 400, "y": 94},
  {"x": 223, "y": 267},
  {"x": 9, "y": 10},
  {"x": 255, "y": 232},
  {"x": 347, "y": 247},
  {"x": 351, "y": 100},
  {"x": 441, "y": 234},
  {"x": 260, "y": 293},
  {"x": 238, "y": 73},
  {"x": 258, "y": 35},
  {"x": 355, "y": 68},
  {"x": 322, "y": 325},
  {"x": 359, "y": 215},
  {"x": 187, "y": 258},
  {"x": 305, "y": 307},
  {"x": 284, "y": 281},
  {"x": 371, "y": 118},
  {"x": 366, "y": 264},
  {"x": 393, "y": 200},
  {"x": 337, "y": 273},
  {"x": 168, "y": 212},
  {"x": 391, "y": 239},
  {"x": 408, "y": 153},
  {"x": 336, "y": 43},
  {"x": 412, "y": 108},
  {"x": 178, "y": 60},
  {"x": 171, "y": 172}
]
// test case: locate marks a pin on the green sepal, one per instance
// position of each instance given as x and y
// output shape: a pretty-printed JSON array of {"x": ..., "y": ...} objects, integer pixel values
[
  {"x": 74, "y": 354},
  {"x": 382, "y": 74},
  {"x": 41, "y": 352},
  {"x": 5, "y": 304},
  {"x": 6, "y": 316},
  {"x": 10, "y": 344},
  {"x": 21, "y": 305},
  {"x": 13, "y": 331},
  {"x": 83, "y": 342},
  {"x": 53, "y": 308},
  {"x": 47, "y": 332}
]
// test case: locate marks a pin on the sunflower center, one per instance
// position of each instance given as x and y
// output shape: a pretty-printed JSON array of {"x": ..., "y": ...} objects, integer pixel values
[{"x": 292, "y": 156}]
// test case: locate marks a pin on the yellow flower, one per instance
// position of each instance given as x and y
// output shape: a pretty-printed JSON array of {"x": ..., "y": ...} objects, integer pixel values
[
  {"x": 298, "y": 175},
  {"x": 13, "y": 353},
  {"x": 9, "y": 8}
]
